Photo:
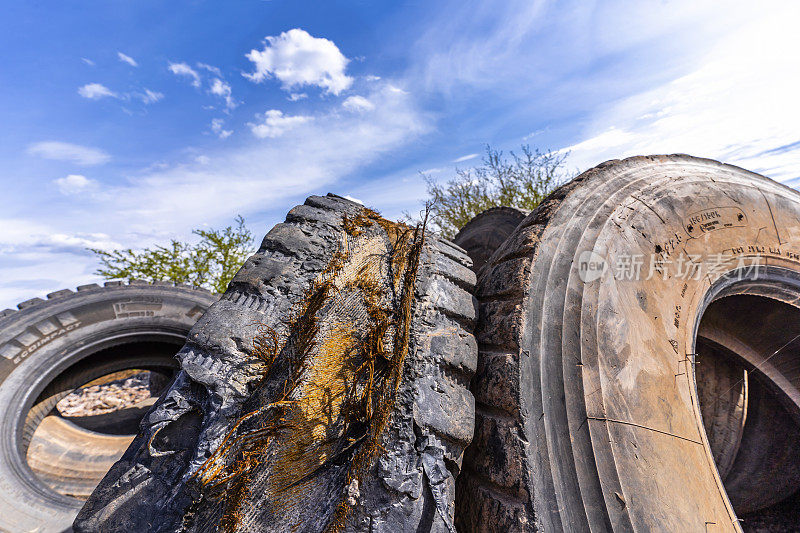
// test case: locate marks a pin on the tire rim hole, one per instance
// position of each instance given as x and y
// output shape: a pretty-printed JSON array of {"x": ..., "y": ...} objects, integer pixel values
[
  {"x": 84, "y": 420},
  {"x": 747, "y": 370}
]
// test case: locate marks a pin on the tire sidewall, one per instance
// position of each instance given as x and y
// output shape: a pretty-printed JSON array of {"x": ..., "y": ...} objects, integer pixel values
[
  {"x": 612, "y": 371},
  {"x": 58, "y": 334}
]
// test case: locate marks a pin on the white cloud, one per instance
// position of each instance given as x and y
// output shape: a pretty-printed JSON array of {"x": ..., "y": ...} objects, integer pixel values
[
  {"x": 395, "y": 89},
  {"x": 127, "y": 59},
  {"x": 74, "y": 153},
  {"x": 212, "y": 69},
  {"x": 203, "y": 159},
  {"x": 297, "y": 59},
  {"x": 738, "y": 104},
  {"x": 96, "y": 91},
  {"x": 245, "y": 178},
  {"x": 435, "y": 170},
  {"x": 78, "y": 243},
  {"x": 150, "y": 97},
  {"x": 533, "y": 134},
  {"x": 260, "y": 180},
  {"x": 294, "y": 97},
  {"x": 222, "y": 89},
  {"x": 465, "y": 158},
  {"x": 248, "y": 177},
  {"x": 370, "y": 77},
  {"x": 218, "y": 129},
  {"x": 23, "y": 236},
  {"x": 274, "y": 123},
  {"x": 74, "y": 183},
  {"x": 610, "y": 139},
  {"x": 623, "y": 78},
  {"x": 41, "y": 258},
  {"x": 182, "y": 69},
  {"x": 358, "y": 103},
  {"x": 88, "y": 61},
  {"x": 524, "y": 47}
]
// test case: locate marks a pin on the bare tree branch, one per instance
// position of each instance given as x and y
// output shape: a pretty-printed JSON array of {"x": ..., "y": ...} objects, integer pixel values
[{"x": 518, "y": 180}]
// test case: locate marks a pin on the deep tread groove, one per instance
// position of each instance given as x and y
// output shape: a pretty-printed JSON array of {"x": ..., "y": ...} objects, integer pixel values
[{"x": 500, "y": 303}]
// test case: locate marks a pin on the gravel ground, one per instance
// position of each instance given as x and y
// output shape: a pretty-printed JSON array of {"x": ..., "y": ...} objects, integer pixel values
[{"x": 106, "y": 397}]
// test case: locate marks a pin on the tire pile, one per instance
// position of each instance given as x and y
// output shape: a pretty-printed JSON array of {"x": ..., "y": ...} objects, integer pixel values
[{"x": 625, "y": 357}]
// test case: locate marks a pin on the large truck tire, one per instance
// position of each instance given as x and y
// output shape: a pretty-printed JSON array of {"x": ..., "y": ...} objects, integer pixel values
[
  {"x": 327, "y": 390},
  {"x": 49, "y": 464},
  {"x": 604, "y": 395},
  {"x": 482, "y": 235}
]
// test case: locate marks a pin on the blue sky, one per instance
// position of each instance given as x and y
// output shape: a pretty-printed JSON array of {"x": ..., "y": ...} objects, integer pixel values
[{"x": 129, "y": 123}]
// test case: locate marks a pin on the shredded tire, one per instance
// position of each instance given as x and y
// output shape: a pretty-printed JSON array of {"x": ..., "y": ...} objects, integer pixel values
[{"x": 327, "y": 390}]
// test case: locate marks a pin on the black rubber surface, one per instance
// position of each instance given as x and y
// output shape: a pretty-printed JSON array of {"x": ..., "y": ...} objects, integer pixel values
[
  {"x": 46, "y": 340},
  {"x": 482, "y": 235},
  {"x": 410, "y": 486}
]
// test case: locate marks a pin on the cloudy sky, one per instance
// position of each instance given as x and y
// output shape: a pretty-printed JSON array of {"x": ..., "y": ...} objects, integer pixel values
[{"x": 128, "y": 123}]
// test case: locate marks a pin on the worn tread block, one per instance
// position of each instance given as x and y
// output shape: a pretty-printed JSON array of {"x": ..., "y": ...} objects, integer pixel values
[
  {"x": 505, "y": 278},
  {"x": 495, "y": 381},
  {"x": 452, "y": 346},
  {"x": 60, "y": 294},
  {"x": 30, "y": 303},
  {"x": 445, "y": 407},
  {"x": 333, "y": 203},
  {"x": 449, "y": 298},
  {"x": 499, "y": 324},
  {"x": 456, "y": 272},
  {"x": 307, "y": 213},
  {"x": 289, "y": 239},
  {"x": 497, "y": 453},
  {"x": 453, "y": 251},
  {"x": 260, "y": 271},
  {"x": 521, "y": 243}
]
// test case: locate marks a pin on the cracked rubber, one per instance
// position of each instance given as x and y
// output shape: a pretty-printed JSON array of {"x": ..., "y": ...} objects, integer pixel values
[
  {"x": 411, "y": 484},
  {"x": 587, "y": 413},
  {"x": 46, "y": 347}
]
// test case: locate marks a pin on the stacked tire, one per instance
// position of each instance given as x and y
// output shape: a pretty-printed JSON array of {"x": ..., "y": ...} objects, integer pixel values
[{"x": 635, "y": 359}]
